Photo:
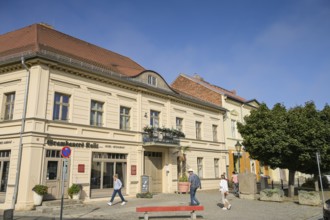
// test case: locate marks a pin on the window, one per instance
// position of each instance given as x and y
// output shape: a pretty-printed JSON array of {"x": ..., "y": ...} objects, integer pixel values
[
  {"x": 178, "y": 122},
  {"x": 200, "y": 167},
  {"x": 233, "y": 128},
  {"x": 9, "y": 106},
  {"x": 124, "y": 118},
  {"x": 198, "y": 130},
  {"x": 216, "y": 167},
  {"x": 154, "y": 118},
  {"x": 96, "y": 113},
  {"x": 61, "y": 107},
  {"x": 152, "y": 80},
  {"x": 215, "y": 132}
]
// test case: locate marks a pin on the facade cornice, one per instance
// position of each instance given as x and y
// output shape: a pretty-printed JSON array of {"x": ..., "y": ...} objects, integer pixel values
[{"x": 72, "y": 66}]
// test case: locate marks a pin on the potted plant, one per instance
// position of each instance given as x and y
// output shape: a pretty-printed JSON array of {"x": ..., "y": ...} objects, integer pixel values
[
  {"x": 38, "y": 193},
  {"x": 183, "y": 184},
  {"x": 74, "y": 191},
  {"x": 149, "y": 130}
]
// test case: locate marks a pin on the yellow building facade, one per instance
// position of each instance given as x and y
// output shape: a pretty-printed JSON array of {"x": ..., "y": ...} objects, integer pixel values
[{"x": 53, "y": 96}]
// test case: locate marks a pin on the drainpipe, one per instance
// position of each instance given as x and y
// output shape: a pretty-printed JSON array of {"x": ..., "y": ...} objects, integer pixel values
[{"x": 20, "y": 147}]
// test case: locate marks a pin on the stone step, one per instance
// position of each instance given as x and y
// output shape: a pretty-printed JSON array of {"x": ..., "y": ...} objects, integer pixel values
[{"x": 55, "y": 205}]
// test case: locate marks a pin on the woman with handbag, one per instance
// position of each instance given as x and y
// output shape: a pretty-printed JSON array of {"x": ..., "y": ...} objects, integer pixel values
[{"x": 224, "y": 192}]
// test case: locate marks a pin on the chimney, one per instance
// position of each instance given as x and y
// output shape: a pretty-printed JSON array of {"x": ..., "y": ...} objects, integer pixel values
[
  {"x": 196, "y": 76},
  {"x": 46, "y": 25}
]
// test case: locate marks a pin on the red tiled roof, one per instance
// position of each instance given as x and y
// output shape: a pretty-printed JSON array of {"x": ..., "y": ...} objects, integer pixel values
[
  {"x": 203, "y": 93},
  {"x": 39, "y": 37}
]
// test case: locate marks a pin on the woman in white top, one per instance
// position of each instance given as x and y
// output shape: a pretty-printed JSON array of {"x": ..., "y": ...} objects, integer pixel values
[{"x": 224, "y": 192}]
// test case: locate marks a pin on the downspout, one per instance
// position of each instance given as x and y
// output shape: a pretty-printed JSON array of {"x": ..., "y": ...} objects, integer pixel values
[{"x": 20, "y": 147}]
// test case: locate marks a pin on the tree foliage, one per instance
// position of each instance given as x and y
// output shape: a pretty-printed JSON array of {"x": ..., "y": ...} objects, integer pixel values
[{"x": 288, "y": 139}]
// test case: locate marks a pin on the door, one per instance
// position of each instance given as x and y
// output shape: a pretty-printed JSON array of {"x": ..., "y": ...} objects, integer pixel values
[
  {"x": 4, "y": 171},
  {"x": 104, "y": 166},
  {"x": 153, "y": 168},
  {"x": 53, "y": 175}
]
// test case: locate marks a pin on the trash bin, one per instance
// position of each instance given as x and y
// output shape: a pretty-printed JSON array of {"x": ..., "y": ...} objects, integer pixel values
[{"x": 263, "y": 182}]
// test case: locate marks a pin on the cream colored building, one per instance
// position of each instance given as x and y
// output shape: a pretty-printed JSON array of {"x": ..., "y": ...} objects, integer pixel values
[
  {"x": 237, "y": 108},
  {"x": 97, "y": 103}
]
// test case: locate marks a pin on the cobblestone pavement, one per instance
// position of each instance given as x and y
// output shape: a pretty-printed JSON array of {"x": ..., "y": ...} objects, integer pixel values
[{"x": 241, "y": 209}]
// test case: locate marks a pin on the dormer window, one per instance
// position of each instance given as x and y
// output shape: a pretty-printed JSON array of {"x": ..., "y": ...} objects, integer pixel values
[{"x": 152, "y": 80}]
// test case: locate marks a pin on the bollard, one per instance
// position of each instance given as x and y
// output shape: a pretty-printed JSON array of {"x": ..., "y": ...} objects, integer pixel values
[{"x": 8, "y": 214}]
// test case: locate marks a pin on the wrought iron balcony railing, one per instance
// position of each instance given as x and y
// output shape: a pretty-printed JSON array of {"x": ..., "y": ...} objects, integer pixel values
[{"x": 160, "y": 137}]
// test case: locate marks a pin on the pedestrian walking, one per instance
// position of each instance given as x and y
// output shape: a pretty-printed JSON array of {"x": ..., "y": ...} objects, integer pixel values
[
  {"x": 195, "y": 183},
  {"x": 224, "y": 192},
  {"x": 234, "y": 180},
  {"x": 117, "y": 189}
]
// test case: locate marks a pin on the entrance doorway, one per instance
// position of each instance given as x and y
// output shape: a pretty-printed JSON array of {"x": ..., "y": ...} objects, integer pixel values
[
  {"x": 4, "y": 170},
  {"x": 104, "y": 166},
  {"x": 153, "y": 167},
  {"x": 53, "y": 175}
]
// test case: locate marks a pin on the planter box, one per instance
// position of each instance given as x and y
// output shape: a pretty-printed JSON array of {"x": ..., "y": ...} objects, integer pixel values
[
  {"x": 309, "y": 198},
  {"x": 274, "y": 195},
  {"x": 183, "y": 187},
  {"x": 37, "y": 199}
]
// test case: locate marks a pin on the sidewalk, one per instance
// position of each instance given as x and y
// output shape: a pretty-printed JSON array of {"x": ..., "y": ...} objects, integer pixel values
[{"x": 241, "y": 209}]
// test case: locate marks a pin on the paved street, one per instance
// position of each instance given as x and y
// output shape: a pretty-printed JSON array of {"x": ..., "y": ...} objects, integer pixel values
[{"x": 241, "y": 209}]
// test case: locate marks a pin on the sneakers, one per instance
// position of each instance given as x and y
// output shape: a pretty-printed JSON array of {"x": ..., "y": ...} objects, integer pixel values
[
  {"x": 224, "y": 208},
  {"x": 123, "y": 203},
  {"x": 229, "y": 207}
]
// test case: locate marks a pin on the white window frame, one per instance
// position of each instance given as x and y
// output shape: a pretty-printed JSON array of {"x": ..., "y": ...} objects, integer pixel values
[
  {"x": 216, "y": 167},
  {"x": 154, "y": 118},
  {"x": 198, "y": 126},
  {"x": 61, "y": 105},
  {"x": 233, "y": 128},
  {"x": 200, "y": 167},
  {"x": 9, "y": 105},
  {"x": 152, "y": 80},
  {"x": 215, "y": 132},
  {"x": 125, "y": 118},
  {"x": 96, "y": 113},
  {"x": 178, "y": 123}
]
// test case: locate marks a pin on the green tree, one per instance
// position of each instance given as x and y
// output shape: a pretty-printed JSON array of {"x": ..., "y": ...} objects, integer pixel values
[{"x": 288, "y": 139}]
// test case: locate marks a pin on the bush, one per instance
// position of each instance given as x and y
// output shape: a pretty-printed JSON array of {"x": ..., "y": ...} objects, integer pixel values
[
  {"x": 147, "y": 195},
  {"x": 40, "y": 189},
  {"x": 74, "y": 189},
  {"x": 183, "y": 178},
  {"x": 270, "y": 192},
  {"x": 310, "y": 183}
]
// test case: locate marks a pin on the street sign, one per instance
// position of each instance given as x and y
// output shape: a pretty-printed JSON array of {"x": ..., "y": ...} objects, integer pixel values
[{"x": 66, "y": 152}]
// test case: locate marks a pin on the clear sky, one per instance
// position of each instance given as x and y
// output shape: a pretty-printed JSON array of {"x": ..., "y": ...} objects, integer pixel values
[{"x": 275, "y": 51}]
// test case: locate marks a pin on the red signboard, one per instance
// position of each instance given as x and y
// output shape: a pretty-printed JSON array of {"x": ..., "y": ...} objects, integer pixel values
[
  {"x": 133, "y": 170},
  {"x": 81, "y": 168}
]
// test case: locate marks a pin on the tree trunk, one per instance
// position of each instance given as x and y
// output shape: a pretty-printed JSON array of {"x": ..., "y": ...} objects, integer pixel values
[{"x": 291, "y": 183}]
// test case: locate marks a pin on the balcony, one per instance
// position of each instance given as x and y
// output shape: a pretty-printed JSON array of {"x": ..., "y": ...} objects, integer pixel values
[{"x": 161, "y": 136}]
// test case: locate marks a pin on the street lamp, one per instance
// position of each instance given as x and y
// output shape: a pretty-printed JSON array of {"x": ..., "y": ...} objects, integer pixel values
[{"x": 238, "y": 147}]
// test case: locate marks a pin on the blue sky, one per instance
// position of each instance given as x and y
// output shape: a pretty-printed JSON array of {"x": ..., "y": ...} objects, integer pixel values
[{"x": 275, "y": 51}]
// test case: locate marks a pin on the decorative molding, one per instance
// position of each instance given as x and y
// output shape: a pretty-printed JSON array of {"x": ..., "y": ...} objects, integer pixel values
[{"x": 65, "y": 84}]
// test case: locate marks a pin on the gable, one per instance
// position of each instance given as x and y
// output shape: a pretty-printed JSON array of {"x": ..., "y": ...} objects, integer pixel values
[{"x": 153, "y": 79}]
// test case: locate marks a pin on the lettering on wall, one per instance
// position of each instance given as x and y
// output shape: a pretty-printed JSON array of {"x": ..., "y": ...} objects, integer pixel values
[
  {"x": 5, "y": 142},
  {"x": 72, "y": 144}
]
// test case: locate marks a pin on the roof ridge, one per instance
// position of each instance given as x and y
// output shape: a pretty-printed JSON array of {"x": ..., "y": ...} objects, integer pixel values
[{"x": 214, "y": 87}]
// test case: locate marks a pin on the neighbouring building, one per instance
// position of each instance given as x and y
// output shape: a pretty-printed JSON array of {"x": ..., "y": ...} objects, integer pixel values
[
  {"x": 59, "y": 91},
  {"x": 237, "y": 107}
]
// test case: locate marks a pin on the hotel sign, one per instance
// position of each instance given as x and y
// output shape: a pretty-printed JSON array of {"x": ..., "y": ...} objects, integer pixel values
[{"x": 72, "y": 144}]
